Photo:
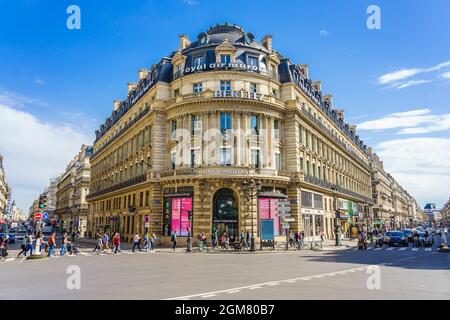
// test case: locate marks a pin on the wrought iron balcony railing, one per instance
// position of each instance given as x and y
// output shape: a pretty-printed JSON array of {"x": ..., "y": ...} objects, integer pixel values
[{"x": 120, "y": 185}]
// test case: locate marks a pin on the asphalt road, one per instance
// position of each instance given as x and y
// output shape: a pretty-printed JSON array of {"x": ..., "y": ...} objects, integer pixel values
[{"x": 405, "y": 273}]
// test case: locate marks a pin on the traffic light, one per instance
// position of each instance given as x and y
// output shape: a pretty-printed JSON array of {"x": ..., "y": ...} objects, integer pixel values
[
  {"x": 42, "y": 201},
  {"x": 190, "y": 215}
]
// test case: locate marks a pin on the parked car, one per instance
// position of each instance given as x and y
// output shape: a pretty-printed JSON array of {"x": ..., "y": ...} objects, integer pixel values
[
  {"x": 395, "y": 237},
  {"x": 409, "y": 234},
  {"x": 425, "y": 241},
  {"x": 12, "y": 236}
]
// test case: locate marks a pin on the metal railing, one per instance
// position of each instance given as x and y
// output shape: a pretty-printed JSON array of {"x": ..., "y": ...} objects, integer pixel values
[
  {"x": 122, "y": 131},
  {"x": 120, "y": 185}
]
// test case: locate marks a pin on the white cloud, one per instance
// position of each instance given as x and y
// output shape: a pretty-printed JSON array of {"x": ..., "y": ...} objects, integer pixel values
[
  {"x": 403, "y": 74},
  {"x": 420, "y": 165},
  {"x": 16, "y": 100},
  {"x": 418, "y": 121},
  {"x": 323, "y": 33},
  {"x": 410, "y": 83},
  {"x": 34, "y": 151},
  {"x": 38, "y": 81},
  {"x": 398, "y": 75},
  {"x": 446, "y": 75}
]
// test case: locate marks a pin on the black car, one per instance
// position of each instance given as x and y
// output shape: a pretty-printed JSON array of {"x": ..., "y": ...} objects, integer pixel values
[
  {"x": 395, "y": 237},
  {"x": 409, "y": 234},
  {"x": 425, "y": 241}
]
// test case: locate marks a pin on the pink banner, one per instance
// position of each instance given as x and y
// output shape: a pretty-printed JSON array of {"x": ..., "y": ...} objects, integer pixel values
[
  {"x": 268, "y": 210},
  {"x": 176, "y": 214}
]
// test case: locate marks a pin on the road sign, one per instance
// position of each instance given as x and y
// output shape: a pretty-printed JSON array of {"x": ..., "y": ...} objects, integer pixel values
[
  {"x": 283, "y": 203},
  {"x": 285, "y": 226},
  {"x": 146, "y": 219},
  {"x": 37, "y": 216},
  {"x": 284, "y": 209},
  {"x": 288, "y": 220},
  {"x": 283, "y": 214},
  {"x": 45, "y": 216}
]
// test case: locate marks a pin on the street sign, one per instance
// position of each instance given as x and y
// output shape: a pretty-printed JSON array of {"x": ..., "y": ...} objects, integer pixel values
[
  {"x": 45, "y": 216},
  {"x": 283, "y": 214},
  {"x": 284, "y": 209},
  {"x": 37, "y": 216},
  {"x": 288, "y": 220},
  {"x": 146, "y": 219},
  {"x": 283, "y": 203},
  {"x": 285, "y": 225}
]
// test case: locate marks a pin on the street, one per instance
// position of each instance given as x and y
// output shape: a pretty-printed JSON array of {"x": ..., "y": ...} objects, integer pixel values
[{"x": 405, "y": 273}]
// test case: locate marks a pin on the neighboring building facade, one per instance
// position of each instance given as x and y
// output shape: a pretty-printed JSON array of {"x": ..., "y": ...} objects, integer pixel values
[
  {"x": 4, "y": 191},
  {"x": 72, "y": 189},
  {"x": 213, "y": 114},
  {"x": 383, "y": 208},
  {"x": 400, "y": 200}
]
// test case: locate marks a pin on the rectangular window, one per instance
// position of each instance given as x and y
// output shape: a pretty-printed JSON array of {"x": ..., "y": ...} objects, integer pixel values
[
  {"x": 225, "y": 121},
  {"x": 199, "y": 61},
  {"x": 307, "y": 167},
  {"x": 302, "y": 164},
  {"x": 253, "y": 61},
  {"x": 225, "y": 58},
  {"x": 147, "y": 196},
  {"x": 277, "y": 161},
  {"x": 319, "y": 173},
  {"x": 225, "y": 86},
  {"x": 307, "y": 199},
  {"x": 314, "y": 169},
  {"x": 196, "y": 125},
  {"x": 276, "y": 129},
  {"x": 255, "y": 158},
  {"x": 307, "y": 138},
  {"x": 225, "y": 156},
  {"x": 300, "y": 134},
  {"x": 252, "y": 87},
  {"x": 173, "y": 160},
  {"x": 195, "y": 157},
  {"x": 254, "y": 124},
  {"x": 198, "y": 87},
  {"x": 173, "y": 128},
  {"x": 141, "y": 199}
]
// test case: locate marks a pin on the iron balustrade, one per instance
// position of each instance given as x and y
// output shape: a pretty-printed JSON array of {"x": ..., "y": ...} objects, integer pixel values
[
  {"x": 122, "y": 131},
  {"x": 332, "y": 136},
  {"x": 328, "y": 185},
  {"x": 268, "y": 73},
  {"x": 120, "y": 185}
]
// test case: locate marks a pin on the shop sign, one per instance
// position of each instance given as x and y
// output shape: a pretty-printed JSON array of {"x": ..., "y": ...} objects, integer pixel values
[
  {"x": 311, "y": 211},
  {"x": 224, "y": 171},
  {"x": 239, "y": 94},
  {"x": 212, "y": 66}
]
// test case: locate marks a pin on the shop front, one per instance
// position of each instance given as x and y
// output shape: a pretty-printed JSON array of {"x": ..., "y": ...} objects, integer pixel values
[
  {"x": 312, "y": 212},
  {"x": 177, "y": 205},
  {"x": 267, "y": 209},
  {"x": 225, "y": 214}
]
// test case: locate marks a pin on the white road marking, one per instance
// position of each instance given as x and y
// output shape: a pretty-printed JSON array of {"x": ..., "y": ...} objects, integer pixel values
[
  {"x": 234, "y": 291},
  {"x": 272, "y": 284},
  {"x": 10, "y": 259},
  {"x": 369, "y": 248},
  {"x": 404, "y": 249},
  {"x": 377, "y": 249},
  {"x": 209, "y": 295},
  {"x": 391, "y": 248},
  {"x": 415, "y": 249},
  {"x": 85, "y": 254},
  {"x": 254, "y": 286},
  {"x": 428, "y": 249}
]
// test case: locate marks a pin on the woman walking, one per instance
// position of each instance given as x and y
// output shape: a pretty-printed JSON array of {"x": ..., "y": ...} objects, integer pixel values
[{"x": 116, "y": 242}]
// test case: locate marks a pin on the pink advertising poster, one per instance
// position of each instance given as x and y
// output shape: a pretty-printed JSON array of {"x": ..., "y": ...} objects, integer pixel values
[
  {"x": 186, "y": 205},
  {"x": 274, "y": 216},
  {"x": 176, "y": 215},
  {"x": 264, "y": 209}
]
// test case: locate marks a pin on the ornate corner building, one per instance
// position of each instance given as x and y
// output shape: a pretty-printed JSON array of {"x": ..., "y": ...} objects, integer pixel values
[{"x": 200, "y": 124}]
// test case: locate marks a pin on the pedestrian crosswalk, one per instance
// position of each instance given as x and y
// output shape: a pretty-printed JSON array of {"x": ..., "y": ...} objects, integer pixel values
[{"x": 386, "y": 248}]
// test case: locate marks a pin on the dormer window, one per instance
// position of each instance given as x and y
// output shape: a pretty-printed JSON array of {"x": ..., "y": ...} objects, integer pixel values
[
  {"x": 225, "y": 58},
  {"x": 198, "y": 61},
  {"x": 253, "y": 61}
]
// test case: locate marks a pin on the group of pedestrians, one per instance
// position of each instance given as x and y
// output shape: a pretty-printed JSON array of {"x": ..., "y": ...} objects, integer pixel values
[
  {"x": 103, "y": 242},
  {"x": 297, "y": 239}
]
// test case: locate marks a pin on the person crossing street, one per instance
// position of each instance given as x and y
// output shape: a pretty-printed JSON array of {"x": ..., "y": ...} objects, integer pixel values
[{"x": 136, "y": 242}]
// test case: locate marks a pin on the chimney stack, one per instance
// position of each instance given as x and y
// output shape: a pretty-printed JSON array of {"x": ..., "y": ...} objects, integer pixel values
[
  {"x": 142, "y": 73},
  {"x": 340, "y": 113},
  {"x": 267, "y": 42},
  {"x": 304, "y": 70},
  {"x": 317, "y": 85},
  {"x": 328, "y": 98},
  {"x": 184, "y": 41},
  {"x": 131, "y": 86},
  {"x": 353, "y": 128},
  {"x": 116, "y": 105}
]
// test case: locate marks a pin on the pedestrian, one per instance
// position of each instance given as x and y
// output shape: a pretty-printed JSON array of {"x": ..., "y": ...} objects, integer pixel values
[
  {"x": 78, "y": 234},
  {"x": 247, "y": 239},
  {"x": 136, "y": 242},
  {"x": 173, "y": 238},
  {"x": 4, "y": 247},
  {"x": 291, "y": 238},
  {"x": 201, "y": 244},
  {"x": 29, "y": 243},
  {"x": 64, "y": 242},
  {"x": 152, "y": 243},
  {"x": 99, "y": 245},
  {"x": 51, "y": 242},
  {"x": 301, "y": 239},
  {"x": 23, "y": 248},
  {"x": 146, "y": 243},
  {"x": 73, "y": 235},
  {"x": 105, "y": 240},
  {"x": 116, "y": 242}
]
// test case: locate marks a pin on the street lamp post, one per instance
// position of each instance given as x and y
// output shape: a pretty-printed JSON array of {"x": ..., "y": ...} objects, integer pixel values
[
  {"x": 251, "y": 188},
  {"x": 337, "y": 228}
]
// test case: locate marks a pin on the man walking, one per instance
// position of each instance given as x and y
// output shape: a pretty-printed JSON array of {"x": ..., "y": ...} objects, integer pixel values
[
  {"x": 173, "y": 238},
  {"x": 29, "y": 243},
  {"x": 116, "y": 242},
  {"x": 51, "y": 243},
  {"x": 64, "y": 242},
  {"x": 152, "y": 243},
  {"x": 105, "y": 240},
  {"x": 136, "y": 241}
]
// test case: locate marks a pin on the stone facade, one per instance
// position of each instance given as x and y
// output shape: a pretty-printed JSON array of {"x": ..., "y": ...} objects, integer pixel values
[
  {"x": 4, "y": 190},
  {"x": 219, "y": 111}
]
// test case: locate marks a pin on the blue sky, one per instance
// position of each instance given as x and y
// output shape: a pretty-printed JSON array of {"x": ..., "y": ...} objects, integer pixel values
[{"x": 59, "y": 84}]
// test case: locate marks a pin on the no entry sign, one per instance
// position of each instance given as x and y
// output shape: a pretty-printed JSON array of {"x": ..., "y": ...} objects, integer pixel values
[{"x": 37, "y": 216}]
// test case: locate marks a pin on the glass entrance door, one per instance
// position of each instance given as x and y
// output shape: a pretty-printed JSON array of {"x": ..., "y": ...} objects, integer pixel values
[{"x": 225, "y": 214}]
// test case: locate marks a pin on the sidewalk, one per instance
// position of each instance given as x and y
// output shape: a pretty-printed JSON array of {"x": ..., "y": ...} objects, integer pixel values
[{"x": 328, "y": 245}]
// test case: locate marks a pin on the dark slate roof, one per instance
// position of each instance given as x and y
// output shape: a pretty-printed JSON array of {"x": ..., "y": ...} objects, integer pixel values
[{"x": 246, "y": 45}]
